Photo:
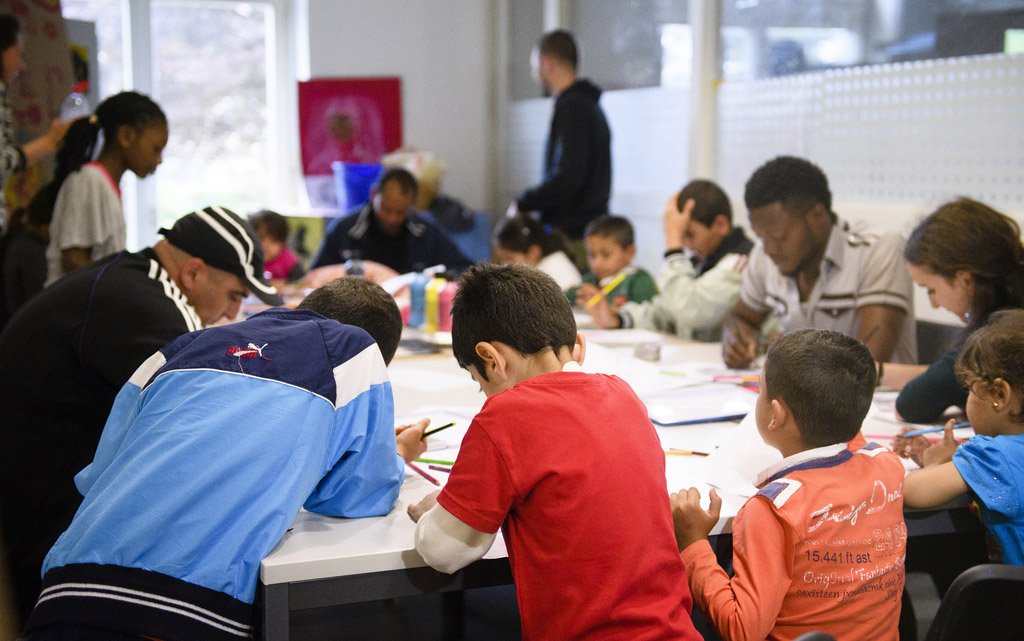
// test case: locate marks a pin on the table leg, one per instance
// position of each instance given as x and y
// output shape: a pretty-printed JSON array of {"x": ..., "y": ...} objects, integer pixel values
[
  {"x": 453, "y": 615},
  {"x": 275, "y": 614}
]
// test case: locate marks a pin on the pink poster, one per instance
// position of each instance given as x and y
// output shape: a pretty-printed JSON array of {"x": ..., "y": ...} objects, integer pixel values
[{"x": 355, "y": 120}]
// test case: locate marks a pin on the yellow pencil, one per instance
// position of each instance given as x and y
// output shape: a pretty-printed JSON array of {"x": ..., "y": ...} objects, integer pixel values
[
  {"x": 685, "y": 452},
  {"x": 606, "y": 289}
]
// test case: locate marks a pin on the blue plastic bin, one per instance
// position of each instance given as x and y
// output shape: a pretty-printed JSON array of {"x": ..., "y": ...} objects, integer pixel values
[{"x": 352, "y": 182}]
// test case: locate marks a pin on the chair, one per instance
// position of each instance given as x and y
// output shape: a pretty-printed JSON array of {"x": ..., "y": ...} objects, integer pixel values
[
  {"x": 985, "y": 603},
  {"x": 476, "y": 242},
  {"x": 815, "y": 636},
  {"x": 934, "y": 340}
]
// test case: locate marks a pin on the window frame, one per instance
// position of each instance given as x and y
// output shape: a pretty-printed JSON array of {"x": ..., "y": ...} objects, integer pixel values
[{"x": 139, "y": 197}]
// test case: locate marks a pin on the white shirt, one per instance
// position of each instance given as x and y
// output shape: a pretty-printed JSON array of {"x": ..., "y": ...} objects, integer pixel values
[
  {"x": 558, "y": 266},
  {"x": 87, "y": 214}
]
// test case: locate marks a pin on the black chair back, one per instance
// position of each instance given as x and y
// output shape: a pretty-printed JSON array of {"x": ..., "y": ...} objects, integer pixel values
[{"x": 985, "y": 603}]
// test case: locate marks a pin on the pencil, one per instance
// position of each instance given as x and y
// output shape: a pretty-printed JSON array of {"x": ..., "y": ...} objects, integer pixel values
[
  {"x": 440, "y": 468},
  {"x": 735, "y": 378},
  {"x": 871, "y": 334},
  {"x": 606, "y": 289},
  {"x": 436, "y": 430},
  {"x": 434, "y": 460},
  {"x": 676, "y": 452},
  {"x": 929, "y": 430},
  {"x": 423, "y": 473},
  {"x": 739, "y": 335}
]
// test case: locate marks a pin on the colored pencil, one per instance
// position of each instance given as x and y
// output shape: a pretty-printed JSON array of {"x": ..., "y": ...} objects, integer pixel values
[
  {"x": 440, "y": 468},
  {"x": 676, "y": 452},
  {"x": 930, "y": 430},
  {"x": 606, "y": 289},
  {"x": 436, "y": 430},
  {"x": 435, "y": 460},
  {"x": 735, "y": 378},
  {"x": 423, "y": 473}
]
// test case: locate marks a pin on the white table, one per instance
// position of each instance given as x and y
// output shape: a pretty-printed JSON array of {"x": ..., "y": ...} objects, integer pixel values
[{"x": 325, "y": 561}]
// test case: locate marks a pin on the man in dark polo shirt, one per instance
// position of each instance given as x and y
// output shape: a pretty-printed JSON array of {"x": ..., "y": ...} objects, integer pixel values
[
  {"x": 68, "y": 351},
  {"x": 387, "y": 231}
]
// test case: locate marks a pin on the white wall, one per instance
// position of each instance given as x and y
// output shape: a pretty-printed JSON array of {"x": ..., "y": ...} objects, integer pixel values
[{"x": 444, "y": 52}]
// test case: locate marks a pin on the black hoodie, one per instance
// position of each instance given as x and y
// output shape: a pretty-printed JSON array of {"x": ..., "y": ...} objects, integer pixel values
[{"x": 577, "y": 163}]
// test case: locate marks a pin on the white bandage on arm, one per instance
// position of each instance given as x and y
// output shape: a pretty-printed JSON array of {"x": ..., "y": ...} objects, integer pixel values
[{"x": 446, "y": 543}]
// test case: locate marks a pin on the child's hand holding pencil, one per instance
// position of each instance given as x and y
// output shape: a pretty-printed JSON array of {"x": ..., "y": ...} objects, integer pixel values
[
  {"x": 409, "y": 439},
  {"x": 911, "y": 443}
]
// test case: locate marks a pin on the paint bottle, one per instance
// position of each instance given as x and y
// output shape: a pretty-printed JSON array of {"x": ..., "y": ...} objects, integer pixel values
[
  {"x": 418, "y": 299},
  {"x": 432, "y": 296},
  {"x": 444, "y": 306}
]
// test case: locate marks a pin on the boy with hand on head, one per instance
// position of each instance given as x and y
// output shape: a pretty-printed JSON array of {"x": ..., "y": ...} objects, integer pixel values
[
  {"x": 696, "y": 290},
  {"x": 610, "y": 250},
  {"x": 211, "y": 449},
  {"x": 566, "y": 463},
  {"x": 822, "y": 544}
]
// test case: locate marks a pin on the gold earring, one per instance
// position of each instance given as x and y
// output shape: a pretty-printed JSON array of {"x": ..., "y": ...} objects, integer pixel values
[{"x": 995, "y": 405}]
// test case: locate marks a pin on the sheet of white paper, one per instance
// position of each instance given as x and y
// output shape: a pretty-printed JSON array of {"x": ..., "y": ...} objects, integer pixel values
[
  {"x": 447, "y": 439},
  {"x": 642, "y": 376},
  {"x": 428, "y": 380},
  {"x": 697, "y": 438},
  {"x": 734, "y": 466},
  {"x": 701, "y": 403},
  {"x": 622, "y": 336},
  {"x": 704, "y": 372}
]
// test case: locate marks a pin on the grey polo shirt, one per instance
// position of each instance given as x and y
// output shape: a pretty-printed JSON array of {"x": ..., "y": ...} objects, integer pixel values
[{"x": 860, "y": 267}]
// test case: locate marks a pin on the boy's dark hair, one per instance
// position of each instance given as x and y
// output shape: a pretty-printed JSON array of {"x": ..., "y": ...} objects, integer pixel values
[
  {"x": 402, "y": 177},
  {"x": 996, "y": 350},
  {"x": 274, "y": 224},
  {"x": 559, "y": 44},
  {"x": 518, "y": 233},
  {"x": 796, "y": 183},
  {"x": 363, "y": 303},
  {"x": 968, "y": 235},
  {"x": 826, "y": 379},
  {"x": 709, "y": 201},
  {"x": 518, "y": 305},
  {"x": 618, "y": 228}
]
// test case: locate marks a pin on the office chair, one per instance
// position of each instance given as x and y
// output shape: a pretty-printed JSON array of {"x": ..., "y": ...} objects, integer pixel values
[{"x": 985, "y": 603}]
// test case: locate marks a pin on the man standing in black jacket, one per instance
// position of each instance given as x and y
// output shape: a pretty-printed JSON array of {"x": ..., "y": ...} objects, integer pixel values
[{"x": 578, "y": 161}]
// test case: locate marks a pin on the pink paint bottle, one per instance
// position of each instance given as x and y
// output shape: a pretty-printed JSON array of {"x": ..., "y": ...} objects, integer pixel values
[{"x": 445, "y": 298}]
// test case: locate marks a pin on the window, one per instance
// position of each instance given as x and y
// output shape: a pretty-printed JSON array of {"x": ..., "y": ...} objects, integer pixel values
[
  {"x": 812, "y": 35},
  {"x": 214, "y": 71}
]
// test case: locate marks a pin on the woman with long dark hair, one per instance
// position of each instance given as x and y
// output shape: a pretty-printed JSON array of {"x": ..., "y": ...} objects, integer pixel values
[{"x": 970, "y": 259}]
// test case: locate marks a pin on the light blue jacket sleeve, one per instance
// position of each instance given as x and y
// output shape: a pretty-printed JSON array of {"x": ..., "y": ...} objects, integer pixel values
[
  {"x": 367, "y": 473},
  {"x": 119, "y": 422}
]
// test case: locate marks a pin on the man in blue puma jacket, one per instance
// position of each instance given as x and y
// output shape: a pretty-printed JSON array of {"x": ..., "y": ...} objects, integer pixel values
[{"x": 210, "y": 450}]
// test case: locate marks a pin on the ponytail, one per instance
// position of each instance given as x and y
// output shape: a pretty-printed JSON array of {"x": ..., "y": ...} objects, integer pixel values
[{"x": 127, "y": 108}]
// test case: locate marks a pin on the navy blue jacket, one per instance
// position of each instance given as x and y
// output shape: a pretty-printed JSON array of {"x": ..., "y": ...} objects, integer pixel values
[{"x": 421, "y": 244}]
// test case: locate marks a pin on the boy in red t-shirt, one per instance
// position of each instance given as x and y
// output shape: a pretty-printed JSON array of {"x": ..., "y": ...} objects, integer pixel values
[
  {"x": 821, "y": 546},
  {"x": 565, "y": 463}
]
